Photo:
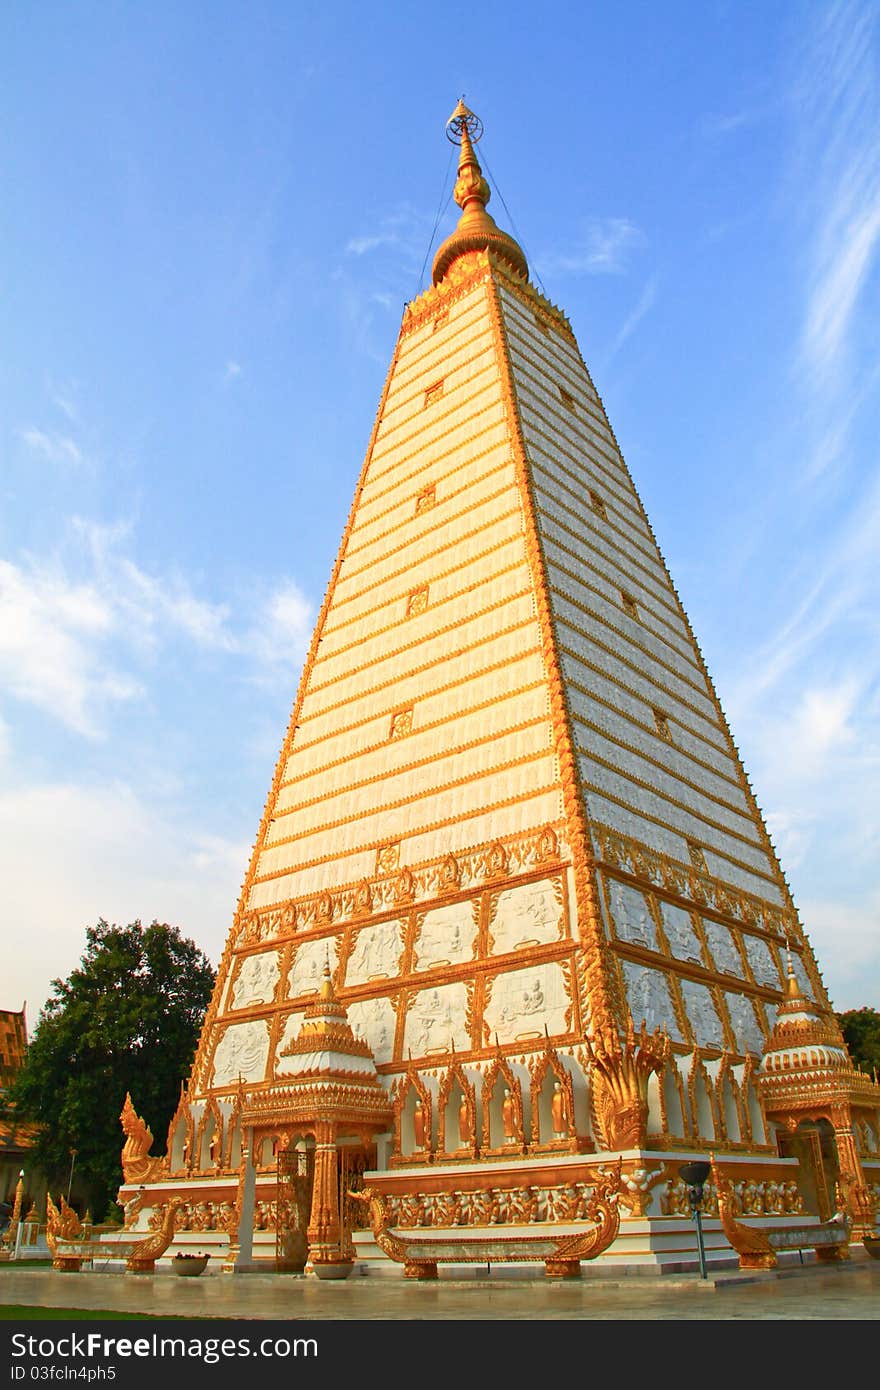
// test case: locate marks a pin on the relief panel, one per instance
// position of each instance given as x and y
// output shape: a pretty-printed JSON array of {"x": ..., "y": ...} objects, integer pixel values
[
  {"x": 703, "y": 1015},
  {"x": 764, "y": 967},
  {"x": 749, "y": 1037},
  {"x": 681, "y": 933},
  {"x": 528, "y": 915},
  {"x": 632, "y": 916},
  {"x": 649, "y": 999},
  {"x": 307, "y": 970},
  {"x": 376, "y": 952},
  {"x": 242, "y": 1052},
  {"x": 523, "y": 1003},
  {"x": 722, "y": 948},
  {"x": 374, "y": 1020},
  {"x": 435, "y": 1021},
  {"x": 255, "y": 980},
  {"x": 446, "y": 935}
]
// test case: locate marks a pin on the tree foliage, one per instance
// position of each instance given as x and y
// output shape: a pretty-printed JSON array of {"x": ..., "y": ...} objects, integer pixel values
[
  {"x": 128, "y": 1019},
  {"x": 861, "y": 1032}
]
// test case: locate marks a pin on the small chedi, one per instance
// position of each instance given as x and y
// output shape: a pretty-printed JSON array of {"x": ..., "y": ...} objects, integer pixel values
[{"x": 513, "y": 942}]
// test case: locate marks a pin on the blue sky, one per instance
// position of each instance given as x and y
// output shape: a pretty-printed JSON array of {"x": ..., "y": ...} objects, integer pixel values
[{"x": 213, "y": 216}]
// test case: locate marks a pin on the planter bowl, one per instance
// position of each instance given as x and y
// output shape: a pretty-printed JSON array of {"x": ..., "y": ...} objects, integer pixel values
[{"x": 190, "y": 1266}]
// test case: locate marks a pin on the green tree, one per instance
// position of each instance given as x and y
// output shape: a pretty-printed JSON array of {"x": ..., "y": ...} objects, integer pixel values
[
  {"x": 861, "y": 1031},
  {"x": 128, "y": 1019}
]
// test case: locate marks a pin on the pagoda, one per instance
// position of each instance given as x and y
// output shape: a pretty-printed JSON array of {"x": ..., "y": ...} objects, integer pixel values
[{"x": 512, "y": 916}]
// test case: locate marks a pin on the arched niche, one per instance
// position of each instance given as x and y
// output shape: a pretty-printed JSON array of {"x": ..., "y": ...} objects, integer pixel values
[
  {"x": 502, "y": 1109},
  {"x": 414, "y": 1127},
  {"x": 702, "y": 1103},
  {"x": 673, "y": 1101},
  {"x": 209, "y": 1139},
  {"x": 552, "y": 1096},
  {"x": 730, "y": 1104},
  {"x": 457, "y": 1113},
  {"x": 180, "y": 1137}
]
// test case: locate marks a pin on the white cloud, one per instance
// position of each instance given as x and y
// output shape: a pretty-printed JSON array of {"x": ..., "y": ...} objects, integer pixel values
[
  {"x": 233, "y": 369},
  {"x": 52, "y": 646},
  {"x": 844, "y": 939},
  {"x": 837, "y": 194},
  {"x": 279, "y": 640},
  {"x": 604, "y": 249},
  {"x": 644, "y": 305},
  {"x": 56, "y": 448},
  {"x": 77, "y": 630},
  {"x": 113, "y": 855}
]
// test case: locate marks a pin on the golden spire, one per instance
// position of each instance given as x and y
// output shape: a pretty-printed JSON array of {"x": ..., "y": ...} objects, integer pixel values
[{"x": 477, "y": 230}]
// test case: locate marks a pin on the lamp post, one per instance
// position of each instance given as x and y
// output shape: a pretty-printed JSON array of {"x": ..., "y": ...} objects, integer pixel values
[{"x": 694, "y": 1175}]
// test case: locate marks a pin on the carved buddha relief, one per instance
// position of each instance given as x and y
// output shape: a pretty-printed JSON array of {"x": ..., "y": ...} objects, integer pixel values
[
  {"x": 446, "y": 936},
  {"x": 256, "y": 980},
  {"x": 528, "y": 915},
  {"x": 242, "y": 1052},
  {"x": 764, "y": 967},
  {"x": 375, "y": 1021},
  {"x": 648, "y": 998},
  {"x": 632, "y": 917},
  {"x": 435, "y": 1021},
  {"x": 749, "y": 1037},
  {"x": 376, "y": 952},
  {"x": 684, "y": 942},
  {"x": 523, "y": 1004},
  {"x": 308, "y": 965},
  {"x": 702, "y": 1014},
  {"x": 722, "y": 948}
]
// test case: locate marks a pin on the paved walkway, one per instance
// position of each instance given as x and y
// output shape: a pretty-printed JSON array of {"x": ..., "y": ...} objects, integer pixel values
[{"x": 850, "y": 1291}]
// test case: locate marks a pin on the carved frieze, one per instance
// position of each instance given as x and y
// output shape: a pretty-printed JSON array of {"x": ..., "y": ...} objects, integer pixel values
[
  {"x": 241, "y": 1052},
  {"x": 527, "y": 1004},
  {"x": 529, "y": 914}
]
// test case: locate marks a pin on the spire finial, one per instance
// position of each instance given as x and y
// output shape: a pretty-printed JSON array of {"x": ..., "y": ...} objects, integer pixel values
[{"x": 477, "y": 229}]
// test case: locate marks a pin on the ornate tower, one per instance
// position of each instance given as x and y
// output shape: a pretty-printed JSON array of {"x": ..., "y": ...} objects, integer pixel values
[{"x": 508, "y": 812}]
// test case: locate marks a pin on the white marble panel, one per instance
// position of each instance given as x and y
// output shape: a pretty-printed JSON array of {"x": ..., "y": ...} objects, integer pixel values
[
  {"x": 649, "y": 999},
  {"x": 703, "y": 1015},
  {"x": 632, "y": 916},
  {"x": 764, "y": 967},
  {"x": 605, "y": 553},
  {"x": 374, "y": 1020},
  {"x": 614, "y": 713},
  {"x": 667, "y": 782},
  {"x": 256, "y": 980},
  {"x": 307, "y": 970},
  {"x": 376, "y": 952},
  {"x": 527, "y": 915},
  {"x": 242, "y": 1052},
  {"x": 436, "y": 1019},
  {"x": 689, "y": 823},
  {"x": 722, "y": 949},
  {"x": 681, "y": 933},
  {"x": 749, "y": 1037},
  {"x": 446, "y": 935},
  {"x": 631, "y": 667},
  {"x": 629, "y": 637},
  {"x": 525, "y": 1002}
]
